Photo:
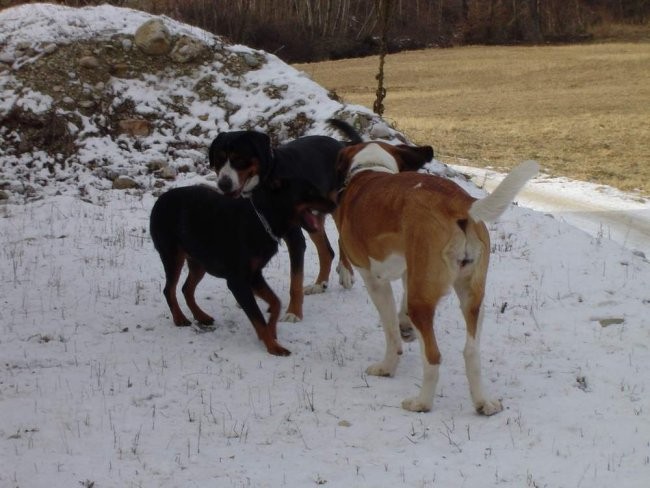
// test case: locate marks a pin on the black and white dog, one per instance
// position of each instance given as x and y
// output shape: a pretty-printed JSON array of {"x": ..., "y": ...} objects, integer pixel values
[{"x": 245, "y": 161}]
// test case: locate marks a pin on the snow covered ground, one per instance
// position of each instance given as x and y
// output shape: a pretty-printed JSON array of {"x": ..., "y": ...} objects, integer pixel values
[
  {"x": 600, "y": 210},
  {"x": 99, "y": 389}
]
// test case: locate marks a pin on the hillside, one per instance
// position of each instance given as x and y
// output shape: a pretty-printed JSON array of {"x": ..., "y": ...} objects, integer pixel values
[{"x": 83, "y": 105}]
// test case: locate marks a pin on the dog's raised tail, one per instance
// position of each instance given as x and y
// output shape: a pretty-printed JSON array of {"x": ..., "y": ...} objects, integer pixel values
[
  {"x": 490, "y": 208},
  {"x": 347, "y": 130}
]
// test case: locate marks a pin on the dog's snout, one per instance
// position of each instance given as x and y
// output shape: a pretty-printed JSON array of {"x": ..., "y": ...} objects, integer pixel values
[{"x": 225, "y": 184}]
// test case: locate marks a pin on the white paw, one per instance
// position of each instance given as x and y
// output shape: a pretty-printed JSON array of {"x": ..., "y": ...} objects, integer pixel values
[
  {"x": 380, "y": 369},
  {"x": 416, "y": 404},
  {"x": 290, "y": 317},
  {"x": 316, "y": 288},
  {"x": 346, "y": 279},
  {"x": 489, "y": 407}
]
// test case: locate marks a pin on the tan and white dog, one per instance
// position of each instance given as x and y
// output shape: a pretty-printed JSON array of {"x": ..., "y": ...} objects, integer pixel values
[{"x": 430, "y": 233}]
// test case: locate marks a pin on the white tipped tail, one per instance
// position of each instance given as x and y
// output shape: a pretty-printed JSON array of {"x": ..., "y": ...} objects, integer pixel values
[{"x": 491, "y": 207}]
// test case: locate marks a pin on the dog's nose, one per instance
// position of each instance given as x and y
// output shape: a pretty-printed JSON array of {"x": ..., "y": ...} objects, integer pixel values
[{"x": 225, "y": 184}]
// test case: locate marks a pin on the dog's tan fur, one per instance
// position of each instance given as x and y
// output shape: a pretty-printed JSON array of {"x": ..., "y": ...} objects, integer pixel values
[{"x": 429, "y": 232}]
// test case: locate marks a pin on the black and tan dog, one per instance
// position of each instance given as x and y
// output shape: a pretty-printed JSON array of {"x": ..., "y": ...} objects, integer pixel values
[
  {"x": 245, "y": 160},
  {"x": 232, "y": 239},
  {"x": 429, "y": 232}
]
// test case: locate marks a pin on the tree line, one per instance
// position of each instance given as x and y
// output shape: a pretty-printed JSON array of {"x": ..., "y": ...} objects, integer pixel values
[{"x": 312, "y": 30}]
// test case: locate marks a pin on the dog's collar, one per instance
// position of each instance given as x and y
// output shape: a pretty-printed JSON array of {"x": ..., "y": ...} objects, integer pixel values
[
  {"x": 368, "y": 166},
  {"x": 264, "y": 222}
]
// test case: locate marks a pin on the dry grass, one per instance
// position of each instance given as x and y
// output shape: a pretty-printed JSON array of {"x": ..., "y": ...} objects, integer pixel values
[{"x": 583, "y": 111}]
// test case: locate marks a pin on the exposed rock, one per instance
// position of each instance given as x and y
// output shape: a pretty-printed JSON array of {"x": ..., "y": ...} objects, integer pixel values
[
  {"x": 50, "y": 48},
  {"x": 7, "y": 58},
  {"x": 252, "y": 61},
  {"x": 135, "y": 127},
  {"x": 187, "y": 49},
  {"x": 156, "y": 165},
  {"x": 4, "y": 195},
  {"x": 90, "y": 62},
  {"x": 380, "y": 131},
  {"x": 606, "y": 322},
  {"x": 124, "y": 183},
  {"x": 119, "y": 70},
  {"x": 153, "y": 37},
  {"x": 167, "y": 173}
]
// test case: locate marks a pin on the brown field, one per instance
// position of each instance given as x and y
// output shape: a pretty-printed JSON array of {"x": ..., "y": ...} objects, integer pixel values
[{"x": 583, "y": 111}]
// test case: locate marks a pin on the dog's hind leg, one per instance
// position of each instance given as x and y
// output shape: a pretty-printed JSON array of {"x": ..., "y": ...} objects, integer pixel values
[
  {"x": 381, "y": 294},
  {"x": 344, "y": 269},
  {"x": 325, "y": 258},
  {"x": 470, "y": 291},
  {"x": 296, "y": 247},
  {"x": 173, "y": 261},
  {"x": 405, "y": 324},
  {"x": 195, "y": 275}
]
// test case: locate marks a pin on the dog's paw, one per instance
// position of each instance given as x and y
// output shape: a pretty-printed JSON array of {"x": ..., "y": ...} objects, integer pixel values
[
  {"x": 277, "y": 350},
  {"x": 346, "y": 279},
  {"x": 204, "y": 319},
  {"x": 182, "y": 321},
  {"x": 316, "y": 288},
  {"x": 380, "y": 369},
  {"x": 290, "y": 317},
  {"x": 416, "y": 404},
  {"x": 202, "y": 329},
  {"x": 489, "y": 407},
  {"x": 407, "y": 332}
]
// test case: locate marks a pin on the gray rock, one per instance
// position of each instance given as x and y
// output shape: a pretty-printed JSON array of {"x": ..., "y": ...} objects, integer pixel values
[
  {"x": 50, "y": 48},
  {"x": 187, "y": 49},
  {"x": 252, "y": 61},
  {"x": 7, "y": 57},
  {"x": 168, "y": 173}
]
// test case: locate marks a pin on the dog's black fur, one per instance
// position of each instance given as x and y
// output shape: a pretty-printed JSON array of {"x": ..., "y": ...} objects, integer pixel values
[
  {"x": 228, "y": 238},
  {"x": 245, "y": 160}
]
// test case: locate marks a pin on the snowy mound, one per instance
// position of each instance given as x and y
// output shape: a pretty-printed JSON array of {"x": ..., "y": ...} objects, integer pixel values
[{"x": 85, "y": 104}]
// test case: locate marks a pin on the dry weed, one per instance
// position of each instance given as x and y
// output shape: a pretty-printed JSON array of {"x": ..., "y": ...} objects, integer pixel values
[{"x": 581, "y": 110}]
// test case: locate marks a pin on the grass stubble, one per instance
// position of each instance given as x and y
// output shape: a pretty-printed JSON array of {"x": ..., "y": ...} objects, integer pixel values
[{"x": 582, "y": 111}]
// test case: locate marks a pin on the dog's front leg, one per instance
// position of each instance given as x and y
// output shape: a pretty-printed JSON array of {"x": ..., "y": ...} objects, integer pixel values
[
  {"x": 381, "y": 294},
  {"x": 296, "y": 247},
  {"x": 243, "y": 293},
  {"x": 422, "y": 317},
  {"x": 264, "y": 291}
]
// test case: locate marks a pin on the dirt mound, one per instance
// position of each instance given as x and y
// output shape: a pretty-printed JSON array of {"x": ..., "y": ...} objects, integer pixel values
[{"x": 93, "y": 108}]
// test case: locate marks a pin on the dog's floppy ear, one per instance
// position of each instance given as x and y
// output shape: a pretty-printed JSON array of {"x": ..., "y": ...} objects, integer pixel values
[
  {"x": 217, "y": 143},
  {"x": 262, "y": 144},
  {"x": 412, "y": 158}
]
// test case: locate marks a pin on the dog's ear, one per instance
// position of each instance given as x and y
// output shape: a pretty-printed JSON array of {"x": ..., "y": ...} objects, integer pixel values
[
  {"x": 217, "y": 143},
  {"x": 262, "y": 144},
  {"x": 413, "y": 158}
]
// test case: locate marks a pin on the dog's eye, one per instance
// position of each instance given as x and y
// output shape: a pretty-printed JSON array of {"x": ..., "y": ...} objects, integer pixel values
[{"x": 239, "y": 163}]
